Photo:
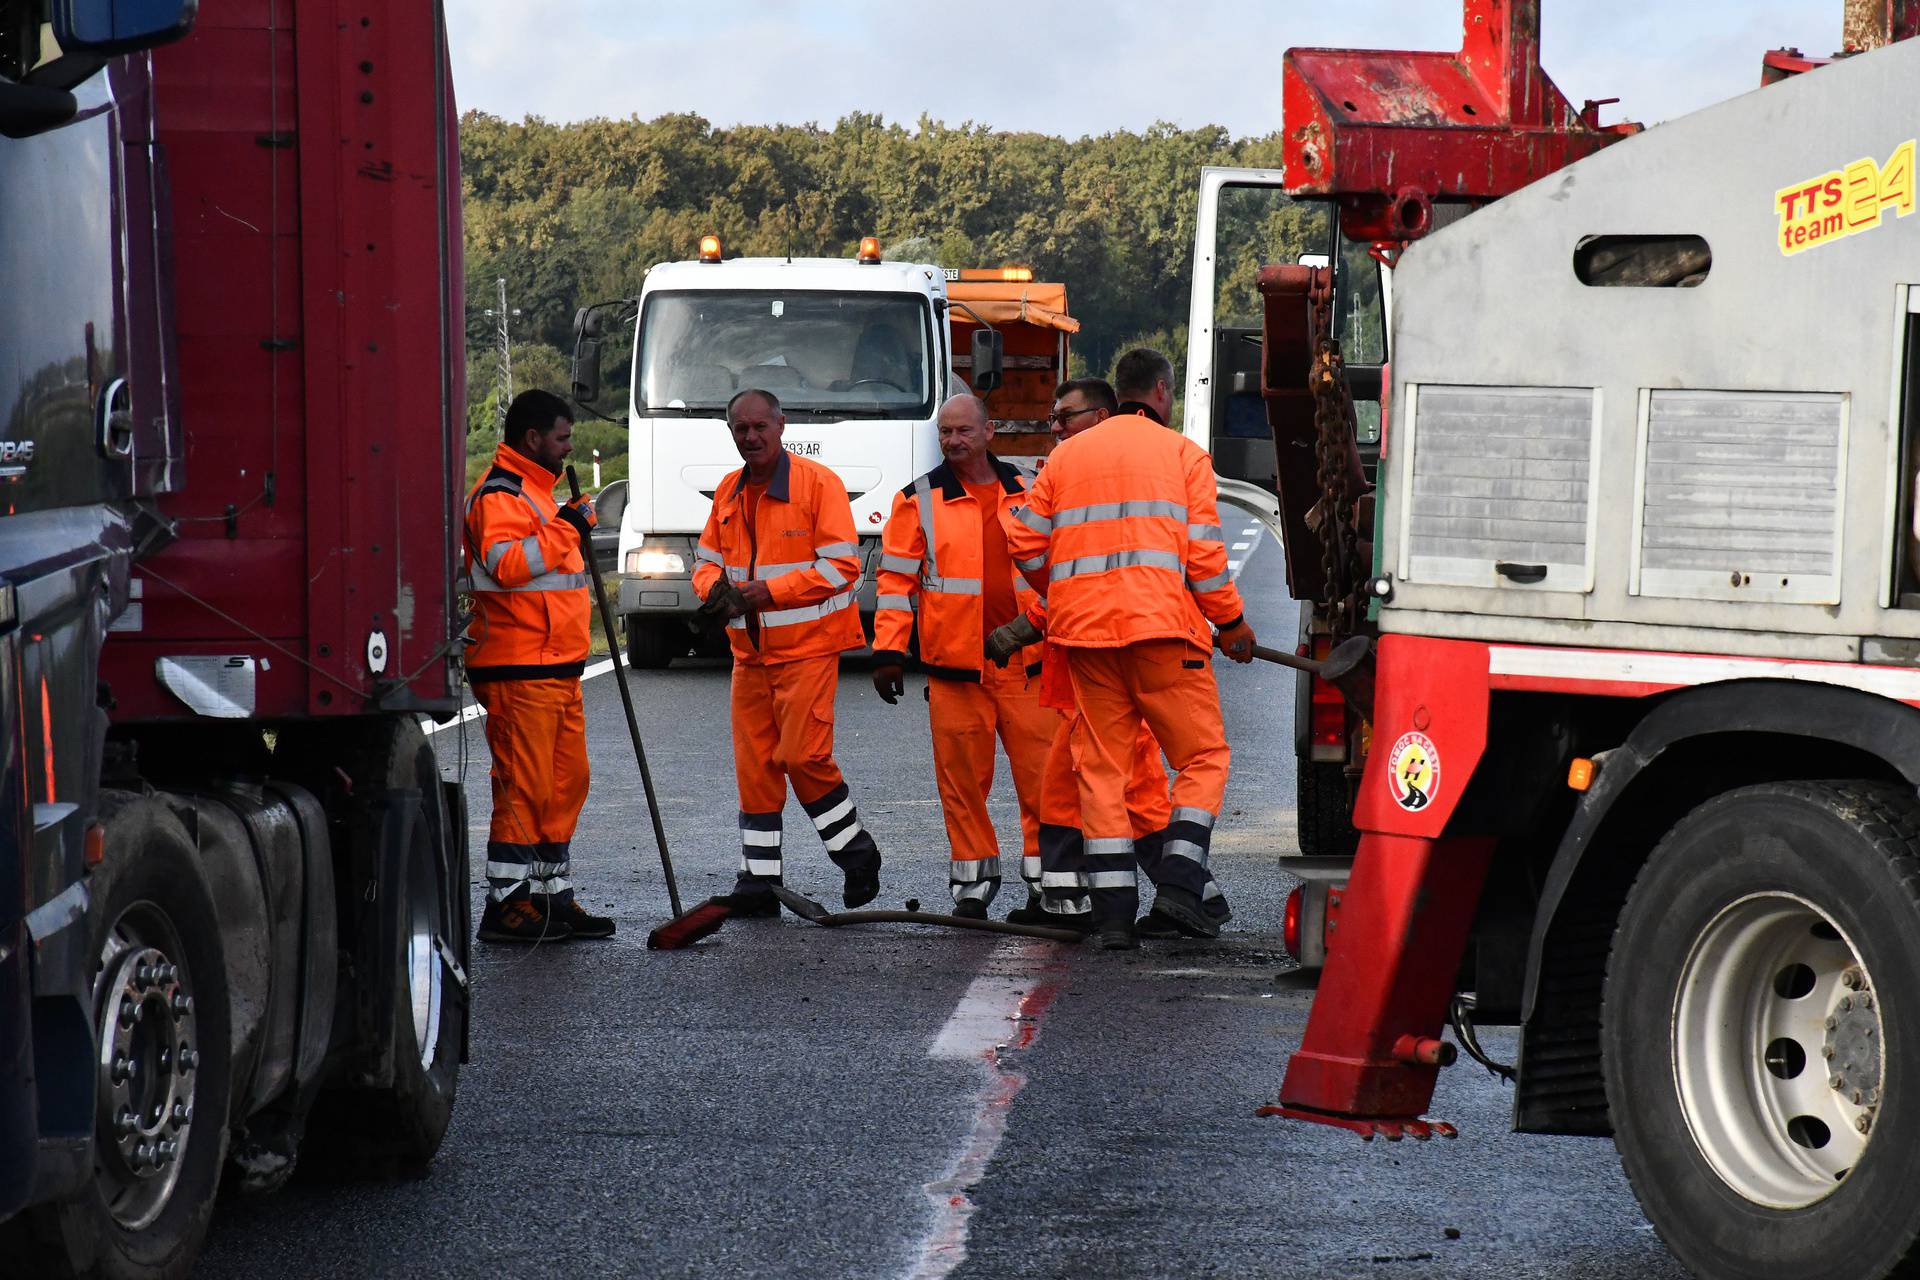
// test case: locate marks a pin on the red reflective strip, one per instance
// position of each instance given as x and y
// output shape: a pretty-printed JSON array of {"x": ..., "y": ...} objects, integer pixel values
[{"x": 46, "y": 734}]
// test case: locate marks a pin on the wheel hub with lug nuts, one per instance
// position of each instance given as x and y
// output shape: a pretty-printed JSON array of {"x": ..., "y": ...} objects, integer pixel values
[
  {"x": 1776, "y": 1046},
  {"x": 148, "y": 1057}
]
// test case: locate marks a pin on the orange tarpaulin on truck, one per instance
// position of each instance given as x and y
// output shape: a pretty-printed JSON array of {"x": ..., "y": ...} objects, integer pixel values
[{"x": 1002, "y": 303}]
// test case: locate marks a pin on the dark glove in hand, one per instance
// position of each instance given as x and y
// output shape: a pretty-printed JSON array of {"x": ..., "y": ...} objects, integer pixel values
[
  {"x": 1006, "y": 641},
  {"x": 890, "y": 681},
  {"x": 580, "y": 514},
  {"x": 724, "y": 601}
]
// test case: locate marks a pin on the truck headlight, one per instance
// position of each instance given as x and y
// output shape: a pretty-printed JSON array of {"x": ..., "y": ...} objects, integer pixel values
[{"x": 655, "y": 562}]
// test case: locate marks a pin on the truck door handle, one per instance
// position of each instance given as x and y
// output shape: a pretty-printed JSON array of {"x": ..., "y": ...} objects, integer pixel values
[
  {"x": 115, "y": 418},
  {"x": 1520, "y": 572}
]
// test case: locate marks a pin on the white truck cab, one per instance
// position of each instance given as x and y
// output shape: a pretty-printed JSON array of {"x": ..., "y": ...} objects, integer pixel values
[{"x": 856, "y": 350}]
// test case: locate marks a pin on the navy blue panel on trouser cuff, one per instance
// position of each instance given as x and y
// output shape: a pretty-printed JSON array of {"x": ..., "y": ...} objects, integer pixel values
[
  {"x": 1184, "y": 853},
  {"x": 975, "y": 879},
  {"x": 759, "y": 852},
  {"x": 1063, "y": 869},
  {"x": 508, "y": 869},
  {"x": 838, "y": 823},
  {"x": 1112, "y": 877},
  {"x": 553, "y": 868}
]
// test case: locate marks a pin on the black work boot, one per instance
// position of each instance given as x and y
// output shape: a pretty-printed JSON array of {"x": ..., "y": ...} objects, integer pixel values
[
  {"x": 1032, "y": 913},
  {"x": 970, "y": 909},
  {"x": 1116, "y": 935},
  {"x": 582, "y": 922},
  {"x": 1158, "y": 924},
  {"x": 520, "y": 920},
  {"x": 751, "y": 906},
  {"x": 862, "y": 887},
  {"x": 1182, "y": 907}
]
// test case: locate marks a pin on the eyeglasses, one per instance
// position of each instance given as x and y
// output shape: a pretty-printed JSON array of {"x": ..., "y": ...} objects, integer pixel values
[{"x": 1064, "y": 416}]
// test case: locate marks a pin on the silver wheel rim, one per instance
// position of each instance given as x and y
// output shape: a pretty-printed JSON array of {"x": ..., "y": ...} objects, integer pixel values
[
  {"x": 1777, "y": 1050},
  {"x": 148, "y": 1065},
  {"x": 425, "y": 972}
]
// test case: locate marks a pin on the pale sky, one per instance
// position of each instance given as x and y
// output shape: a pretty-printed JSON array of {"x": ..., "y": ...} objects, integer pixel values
[{"x": 1069, "y": 67}]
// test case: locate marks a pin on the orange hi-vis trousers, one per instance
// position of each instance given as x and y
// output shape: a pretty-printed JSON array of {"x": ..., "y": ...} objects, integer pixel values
[
  {"x": 537, "y": 733},
  {"x": 967, "y": 718},
  {"x": 1170, "y": 685},
  {"x": 783, "y": 733}
]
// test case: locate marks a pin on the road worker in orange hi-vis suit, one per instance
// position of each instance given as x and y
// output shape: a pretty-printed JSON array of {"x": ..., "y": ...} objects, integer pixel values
[
  {"x": 1066, "y": 902},
  {"x": 945, "y": 554},
  {"x": 528, "y": 575},
  {"x": 780, "y": 561},
  {"x": 1121, "y": 533}
]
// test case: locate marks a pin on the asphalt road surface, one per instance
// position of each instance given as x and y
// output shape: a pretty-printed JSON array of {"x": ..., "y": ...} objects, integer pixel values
[{"x": 910, "y": 1102}]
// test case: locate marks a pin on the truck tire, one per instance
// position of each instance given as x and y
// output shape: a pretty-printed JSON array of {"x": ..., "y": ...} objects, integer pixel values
[
  {"x": 396, "y": 1125},
  {"x": 653, "y": 645},
  {"x": 1324, "y": 815},
  {"x": 161, "y": 1123},
  {"x": 1764, "y": 976}
]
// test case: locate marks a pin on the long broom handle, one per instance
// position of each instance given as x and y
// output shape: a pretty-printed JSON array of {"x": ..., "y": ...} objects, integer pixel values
[{"x": 626, "y": 701}]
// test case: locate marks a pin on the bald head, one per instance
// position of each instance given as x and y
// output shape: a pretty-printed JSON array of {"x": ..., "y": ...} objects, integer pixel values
[{"x": 965, "y": 432}]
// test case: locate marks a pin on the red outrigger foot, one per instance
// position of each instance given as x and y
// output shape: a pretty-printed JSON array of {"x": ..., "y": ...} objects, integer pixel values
[{"x": 1392, "y": 1128}]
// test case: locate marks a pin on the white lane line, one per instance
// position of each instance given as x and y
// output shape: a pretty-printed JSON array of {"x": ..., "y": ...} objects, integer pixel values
[
  {"x": 1241, "y": 546},
  {"x": 475, "y": 711},
  {"x": 1000, "y": 1011}
]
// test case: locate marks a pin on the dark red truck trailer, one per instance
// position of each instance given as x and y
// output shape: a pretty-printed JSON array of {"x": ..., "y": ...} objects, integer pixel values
[{"x": 233, "y": 885}]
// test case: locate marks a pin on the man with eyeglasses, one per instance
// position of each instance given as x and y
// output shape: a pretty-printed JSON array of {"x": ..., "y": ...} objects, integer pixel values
[{"x": 1065, "y": 872}]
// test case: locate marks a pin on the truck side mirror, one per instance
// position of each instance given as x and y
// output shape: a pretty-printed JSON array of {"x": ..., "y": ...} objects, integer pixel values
[
  {"x": 989, "y": 353},
  {"x": 586, "y": 355},
  {"x": 120, "y": 26}
]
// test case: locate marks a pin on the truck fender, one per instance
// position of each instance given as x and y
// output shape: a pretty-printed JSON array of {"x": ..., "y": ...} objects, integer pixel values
[{"x": 1876, "y": 726}]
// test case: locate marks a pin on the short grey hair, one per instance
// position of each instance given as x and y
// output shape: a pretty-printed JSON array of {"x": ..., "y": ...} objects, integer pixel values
[
  {"x": 1135, "y": 372},
  {"x": 773, "y": 401}
]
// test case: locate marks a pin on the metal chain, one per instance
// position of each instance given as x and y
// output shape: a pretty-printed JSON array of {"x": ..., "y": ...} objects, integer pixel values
[{"x": 1333, "y": 420}]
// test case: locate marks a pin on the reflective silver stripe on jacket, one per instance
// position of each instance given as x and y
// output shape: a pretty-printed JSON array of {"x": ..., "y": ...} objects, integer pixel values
[
  {"x": 1119, "y": 511},
  {"x": 1205, "y": 533},
  {"x": 921, "y": 490},
  {"x": 1033, "y": 519},
  {"x": 536, "y": 562},
  {"x": 484, "y": 581},
  {"x": 952, "y": 586},
  {"x": 1214, "y": 583},
  {"x": 708, "y": 554},
  {"x": 1116, "y": 560},
  {"x": 495, "y": 554},
  {"x": 806, "y": 613},
  {"x": 903, "y": 603},
  {"x": 830, "y": 571},
  {"x": 1032, "y": 565},
  {"x": 899, "y": 564},
  {"x": 832, "y": 549},
  {"x": 768, "y": 572}
]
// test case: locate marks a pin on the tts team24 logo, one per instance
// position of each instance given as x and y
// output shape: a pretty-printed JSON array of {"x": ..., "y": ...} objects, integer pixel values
[{"x": 1413, "y": 771}]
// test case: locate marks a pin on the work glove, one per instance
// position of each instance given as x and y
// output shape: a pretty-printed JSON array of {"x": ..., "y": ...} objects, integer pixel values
[
  {"x": 724, "y": 601},
  {"x": 890, "y": 676},
  {"x": 1236, "y": 640},
  {"x": 580, "y": 514},
  {"x": 1006, "y": 641}
]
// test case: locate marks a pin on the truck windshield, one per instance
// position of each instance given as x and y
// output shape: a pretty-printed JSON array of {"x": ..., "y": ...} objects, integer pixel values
[{"x": 838, "y": 355}]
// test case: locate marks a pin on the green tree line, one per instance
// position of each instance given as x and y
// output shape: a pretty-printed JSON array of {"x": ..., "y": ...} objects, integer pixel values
[{"x": 569, "y": 214}]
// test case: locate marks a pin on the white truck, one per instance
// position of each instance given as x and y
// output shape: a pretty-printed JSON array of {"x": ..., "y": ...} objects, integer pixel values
[{"x": 858, "y": 352}]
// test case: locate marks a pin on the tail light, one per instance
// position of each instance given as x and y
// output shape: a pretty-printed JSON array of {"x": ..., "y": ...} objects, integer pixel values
[{"x": 1290, "y": 922}]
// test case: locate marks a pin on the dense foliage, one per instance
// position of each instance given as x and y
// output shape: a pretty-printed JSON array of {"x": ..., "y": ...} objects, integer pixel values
[{"x": 576, "y": 213}]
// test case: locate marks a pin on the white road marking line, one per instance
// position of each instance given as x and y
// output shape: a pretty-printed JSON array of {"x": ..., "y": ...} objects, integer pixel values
[
  {"x": 1241, "y": 546},
  {"x": 1000, "y": 1010},
  {"x": 475, "y": 711}
]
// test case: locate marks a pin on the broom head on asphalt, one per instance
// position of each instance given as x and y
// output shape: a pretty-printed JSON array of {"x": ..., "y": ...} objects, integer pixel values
[{"x": 687, "y": 929}]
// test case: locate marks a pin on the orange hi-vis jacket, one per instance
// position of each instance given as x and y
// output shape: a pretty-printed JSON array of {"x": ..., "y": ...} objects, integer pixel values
[
  {"x": 1122, "y": 533},
  {"x": 801, "y": 543},
  {"x": 528, "y": 576},
  {"x": 930, "y": 557}
]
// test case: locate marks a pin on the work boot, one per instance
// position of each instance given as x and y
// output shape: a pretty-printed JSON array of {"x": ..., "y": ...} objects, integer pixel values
[
  {"x": 862, "y": 887},
  {"x": 577, "y": 918},
  {"x": 1183, "y": 908},
  {"x": 1032, "y": 913},
  {"x": 1157, "y": 924},
  {"x": 970, "y": 909},
  {"x": 751, "y": 906},
  {"x": 520, "y": 920},
  {"x": 1116, "y": 935}
]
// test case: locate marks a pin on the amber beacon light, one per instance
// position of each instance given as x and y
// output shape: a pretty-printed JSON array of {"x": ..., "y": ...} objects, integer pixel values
[
  {"x": 709, "y": 248},
  {"x": 869, "y": 248}
]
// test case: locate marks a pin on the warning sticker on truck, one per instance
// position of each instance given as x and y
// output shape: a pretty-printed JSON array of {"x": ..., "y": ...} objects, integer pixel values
[
  {"x": 1844, "y": 201},
  {"x": 1413, "y": 771}
]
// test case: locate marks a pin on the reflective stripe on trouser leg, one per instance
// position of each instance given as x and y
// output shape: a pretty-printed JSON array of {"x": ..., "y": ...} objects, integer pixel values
[
  {"x": 975, "y": 879},
  {"x": 547, "y": 875},
  {"x": 1104, "y": 738},
  {"x": 567, "y": 794},
  {"x": 759, "y": 852},
  {"x": 1112, "y": 877},
  {"x": 1063, "y": 868},
  {"x": 1030, "y": 872},
  {"x": 509, "y": 873},
  {"x": 536, "y": 737},
  {"x": 838, "y": 823}
]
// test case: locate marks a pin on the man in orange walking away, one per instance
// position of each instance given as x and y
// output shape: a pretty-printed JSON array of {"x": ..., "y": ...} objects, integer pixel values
[
  {"x": 945, "y": 548},
  {"x": 779, "y": 558},
  {"x": 1122, "y": 534},
  {"x": 529, "y": 582}
]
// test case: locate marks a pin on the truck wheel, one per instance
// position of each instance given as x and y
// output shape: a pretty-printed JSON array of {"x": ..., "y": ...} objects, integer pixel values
[
  {"x": 162, "y": 1093},
  {"x": 397, "y": 1127},
  {"x": 1324, "y": 816},
  {"x": 1763, "y": 978},
  {"x": 651, "y": 645}
]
